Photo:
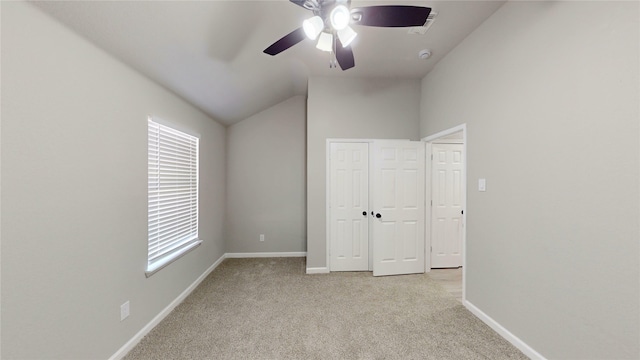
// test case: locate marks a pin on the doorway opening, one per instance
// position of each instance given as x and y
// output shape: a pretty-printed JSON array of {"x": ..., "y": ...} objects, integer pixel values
[{"x": 446, "y": 199}]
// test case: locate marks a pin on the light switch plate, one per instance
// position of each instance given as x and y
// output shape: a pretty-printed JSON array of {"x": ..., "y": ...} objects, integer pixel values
[
  {"x": 482, "y": 184},
  {"x": 124, "y": 311}
]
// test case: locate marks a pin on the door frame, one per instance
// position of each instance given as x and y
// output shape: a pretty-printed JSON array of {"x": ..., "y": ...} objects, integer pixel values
[{"x": 431, "y": 139}]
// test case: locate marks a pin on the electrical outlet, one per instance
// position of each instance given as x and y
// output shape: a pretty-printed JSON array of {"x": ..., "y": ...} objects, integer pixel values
[
  {"x": 261, "y": 237},
  {"x": 124, "y": 310}
]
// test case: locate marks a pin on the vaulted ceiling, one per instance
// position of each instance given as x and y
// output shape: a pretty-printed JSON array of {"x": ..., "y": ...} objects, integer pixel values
[{"x": 210, "y": 52}]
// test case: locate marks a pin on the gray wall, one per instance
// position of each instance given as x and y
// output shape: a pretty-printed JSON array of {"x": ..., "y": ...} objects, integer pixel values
[
  {"x": 350, "y": 108},
  {"x": 549, "y": 91},
  {"x": 74, "y": 216},
  {"x": 266, "y": 180}
]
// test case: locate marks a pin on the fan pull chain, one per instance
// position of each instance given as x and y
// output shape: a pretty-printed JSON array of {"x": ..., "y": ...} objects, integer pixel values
[{"x": 333, "y": 62}]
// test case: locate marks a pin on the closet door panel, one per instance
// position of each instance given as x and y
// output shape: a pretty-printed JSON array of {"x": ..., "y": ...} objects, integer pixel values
[
  {"x": 349, "y": 206},
  {"x": 398, "y": 195}
]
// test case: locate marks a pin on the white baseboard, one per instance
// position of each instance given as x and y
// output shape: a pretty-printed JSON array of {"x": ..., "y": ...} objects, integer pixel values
[
  {"x": 166, "y": 311},
  {"x": 318, "y": 270},
  {"x": 265, "y": 254},
  {"x": 521, "y": 345}
]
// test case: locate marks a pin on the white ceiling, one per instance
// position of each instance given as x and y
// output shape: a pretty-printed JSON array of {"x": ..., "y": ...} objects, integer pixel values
[{"x": 210, "y": 52}]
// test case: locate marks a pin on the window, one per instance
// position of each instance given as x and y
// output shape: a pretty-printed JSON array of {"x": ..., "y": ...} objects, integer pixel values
[{"x": 173, "y": 195}]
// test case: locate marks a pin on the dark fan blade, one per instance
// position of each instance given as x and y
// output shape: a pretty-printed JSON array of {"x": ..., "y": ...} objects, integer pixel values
[
  {"x": 286, "y": 42},
  {"x": 344, "y": 55},
  {"x": 391, "y": 15},
  {"x": 299, "y": 2}
]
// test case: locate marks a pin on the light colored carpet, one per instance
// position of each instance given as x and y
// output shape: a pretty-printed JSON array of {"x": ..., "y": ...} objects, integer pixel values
[{"x": 270, "y": 309}]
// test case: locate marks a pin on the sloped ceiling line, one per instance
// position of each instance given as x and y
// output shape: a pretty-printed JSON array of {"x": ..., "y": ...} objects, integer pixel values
[{"x": 210, "y": 52}]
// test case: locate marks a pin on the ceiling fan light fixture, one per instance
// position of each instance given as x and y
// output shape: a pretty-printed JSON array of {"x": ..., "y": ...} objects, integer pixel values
[
  {"x": 325, "y": 42},
  {"x": 313, "y": 27},
  {"x": 340, "y": 17},
  {"x": 346, "y": 36}
]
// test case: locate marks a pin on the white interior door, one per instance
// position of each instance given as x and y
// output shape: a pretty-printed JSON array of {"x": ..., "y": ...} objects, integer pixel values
[
  {"x": 349, "y": 205},
  {"x": 446, "y": 211},
  {"x": 398, "y": 196}
]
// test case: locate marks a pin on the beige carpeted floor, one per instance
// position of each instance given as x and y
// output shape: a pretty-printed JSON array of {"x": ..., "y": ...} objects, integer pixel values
[{"x": 270, "y": 309}]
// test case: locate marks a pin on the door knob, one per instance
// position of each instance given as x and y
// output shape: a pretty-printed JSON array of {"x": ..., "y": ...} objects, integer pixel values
[
  {"x": 378, "y": 215},
  {"x": 364, "y": 213}
]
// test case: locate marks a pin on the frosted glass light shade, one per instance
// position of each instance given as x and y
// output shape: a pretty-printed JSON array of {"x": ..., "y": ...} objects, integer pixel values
[
  {"x": 325, "y": 43},
  {"x": 313, "y": 26},
  {"x": 346, "y": 36},
  {"x": 340, "y": 17}
]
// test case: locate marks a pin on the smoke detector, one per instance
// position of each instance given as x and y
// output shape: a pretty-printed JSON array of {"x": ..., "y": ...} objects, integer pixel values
[{"x": 424, "y": 54}]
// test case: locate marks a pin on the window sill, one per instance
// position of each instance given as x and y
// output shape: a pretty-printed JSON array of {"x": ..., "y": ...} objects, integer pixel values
[{"x": 162, "y": 263}]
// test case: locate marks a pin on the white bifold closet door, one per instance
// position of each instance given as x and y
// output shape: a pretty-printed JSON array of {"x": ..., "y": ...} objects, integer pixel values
[
  {"x": 399, "y": 199},
  {"x": 349, "y": 206},
  {"x": 381, "y": 206}
]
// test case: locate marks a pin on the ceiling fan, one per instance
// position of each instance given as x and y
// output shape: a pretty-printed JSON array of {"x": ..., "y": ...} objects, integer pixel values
[{"x": 331, "y": 26}]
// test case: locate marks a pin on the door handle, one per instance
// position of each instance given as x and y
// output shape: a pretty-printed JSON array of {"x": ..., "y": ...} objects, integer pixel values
[
  {"x": 364, "y": 213},
  {"x": 378, "y": 216}
]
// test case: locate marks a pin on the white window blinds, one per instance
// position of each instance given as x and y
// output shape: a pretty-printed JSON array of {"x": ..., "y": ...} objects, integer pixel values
[{"x": 173, "y": 195}]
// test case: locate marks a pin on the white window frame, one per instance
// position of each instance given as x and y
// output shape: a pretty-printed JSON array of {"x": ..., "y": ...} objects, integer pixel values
[{"x": 172, "y": 225}]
